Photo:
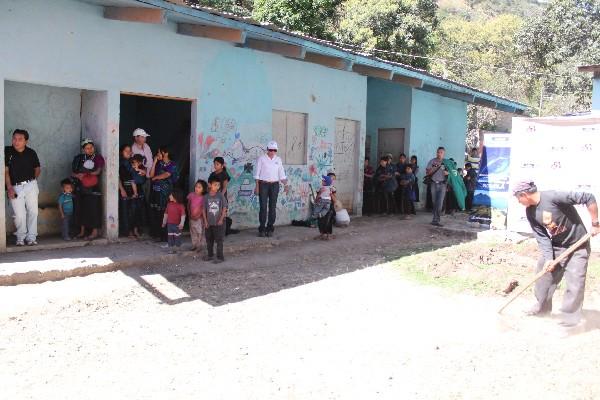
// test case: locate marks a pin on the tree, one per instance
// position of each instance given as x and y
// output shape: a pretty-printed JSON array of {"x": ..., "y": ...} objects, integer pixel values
[
  {"x": 482, "y": 53},
  {"x": 312, "y": 17},
  {"x": 398, "y": 26},
  {"x": 565, "y": 35},
  {"x": 238, "y": 7}
]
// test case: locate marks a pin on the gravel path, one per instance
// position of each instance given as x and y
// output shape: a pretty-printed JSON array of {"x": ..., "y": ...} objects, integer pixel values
[{"x": 318, "y": 320}]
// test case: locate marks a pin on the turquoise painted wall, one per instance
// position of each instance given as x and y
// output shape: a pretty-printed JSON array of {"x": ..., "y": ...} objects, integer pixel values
[
  {"x": 436, "y": 121},
  {"x": 596, "y": 95},
  {"x": 233, "y": 90},
  {"x": 388, "y": 106}
]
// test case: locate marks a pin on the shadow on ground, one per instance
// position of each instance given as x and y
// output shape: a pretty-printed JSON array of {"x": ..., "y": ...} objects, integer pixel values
[{"x": 261, "y": 272}]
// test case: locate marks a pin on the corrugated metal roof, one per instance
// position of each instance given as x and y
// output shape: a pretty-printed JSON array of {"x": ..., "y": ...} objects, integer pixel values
[
  {"x": 589, "y": 68},
  {"x": 252, "y": 26},
  {"x": 251, "y": 21}
]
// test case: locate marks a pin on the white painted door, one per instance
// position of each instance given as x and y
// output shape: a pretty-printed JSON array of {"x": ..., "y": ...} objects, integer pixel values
[
  {"x": 345, "y": 160},
  {"x": 390, "y": 141}
]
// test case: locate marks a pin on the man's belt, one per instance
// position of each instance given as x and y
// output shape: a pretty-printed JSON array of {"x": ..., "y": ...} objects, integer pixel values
[{"x": 269, "y": 182}]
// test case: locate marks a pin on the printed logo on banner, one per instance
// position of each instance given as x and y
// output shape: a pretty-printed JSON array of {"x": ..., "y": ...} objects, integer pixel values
[
  {"x": 555, "y": 157},
  {"x": 491, "y": 193}
]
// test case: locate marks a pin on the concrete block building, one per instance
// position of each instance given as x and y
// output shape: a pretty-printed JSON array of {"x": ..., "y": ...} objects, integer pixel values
[{"x": 208, "y": 84}]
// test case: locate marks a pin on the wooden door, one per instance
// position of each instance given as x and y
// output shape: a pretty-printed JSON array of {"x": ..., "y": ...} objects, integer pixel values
[
  {"x": 390, "y": 141},
  {"x": 345, "y": 160}
]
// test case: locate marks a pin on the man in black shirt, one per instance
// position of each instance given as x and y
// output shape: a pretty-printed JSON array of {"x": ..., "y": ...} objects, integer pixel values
[
  {"x": 556, "y": 225},
  {"x": 21, "y": 169}
]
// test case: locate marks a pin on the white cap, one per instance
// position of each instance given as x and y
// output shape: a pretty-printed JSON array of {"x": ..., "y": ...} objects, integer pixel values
[
  {"x": 140, "y": 132},
  {"x": 272, "y": 145}
]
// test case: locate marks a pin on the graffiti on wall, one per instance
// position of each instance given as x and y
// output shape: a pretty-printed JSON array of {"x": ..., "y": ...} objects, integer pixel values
[{"x": 241, "y": 146}]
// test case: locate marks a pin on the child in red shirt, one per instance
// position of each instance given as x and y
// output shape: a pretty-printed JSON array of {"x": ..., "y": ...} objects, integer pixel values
[{"x": 174, "y": 219}]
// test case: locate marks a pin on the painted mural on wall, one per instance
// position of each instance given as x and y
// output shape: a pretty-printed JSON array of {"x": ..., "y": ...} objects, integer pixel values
[{"x": 240, "y": 146}]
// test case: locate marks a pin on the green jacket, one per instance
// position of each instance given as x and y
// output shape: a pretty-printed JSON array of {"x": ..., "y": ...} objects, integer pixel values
[{"x": 456, "y": 182}]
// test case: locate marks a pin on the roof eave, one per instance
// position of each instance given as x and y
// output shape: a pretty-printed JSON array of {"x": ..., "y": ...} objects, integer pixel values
[{"x": 313, "y": 45}]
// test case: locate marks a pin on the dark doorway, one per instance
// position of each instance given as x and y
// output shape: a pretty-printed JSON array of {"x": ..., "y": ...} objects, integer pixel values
[{"x": 167, "y": 121}]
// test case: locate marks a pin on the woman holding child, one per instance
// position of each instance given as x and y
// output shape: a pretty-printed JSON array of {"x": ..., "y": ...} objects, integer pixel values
[
  {"x": 163, "y": 176},
  {"x": 128, "y": 194},
  {"x": 87, "y": 168}
]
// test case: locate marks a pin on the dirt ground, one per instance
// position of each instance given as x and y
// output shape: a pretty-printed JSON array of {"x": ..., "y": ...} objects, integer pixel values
[
  {"x": 311, "y": 320},
  {"x": 484, "y": 269}
]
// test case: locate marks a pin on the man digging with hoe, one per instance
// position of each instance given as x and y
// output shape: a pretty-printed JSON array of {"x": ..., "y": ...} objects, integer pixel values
[{"x": 557, "y": 226}]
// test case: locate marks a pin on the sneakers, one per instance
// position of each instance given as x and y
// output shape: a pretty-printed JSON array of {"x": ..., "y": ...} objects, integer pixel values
[
  {"x": 218, "y": 260},
  {"x": 207, "y": 258},
  {"x": 261, "y": 234},
  {"x": 436, "y": 224},
  {"x": 269, "y": 234},
  {"x": 31, "y": 242},
  {"x": 20, "y": 243}
]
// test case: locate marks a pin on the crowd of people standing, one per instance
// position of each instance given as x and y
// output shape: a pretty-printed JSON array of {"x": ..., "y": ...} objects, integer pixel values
[
  {"x": 152, "y": 200},
  {"x": 393, "y": 187}
]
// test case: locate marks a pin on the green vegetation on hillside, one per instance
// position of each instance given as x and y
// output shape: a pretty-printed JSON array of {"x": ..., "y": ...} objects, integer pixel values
[{"x": 526, "y": 50}]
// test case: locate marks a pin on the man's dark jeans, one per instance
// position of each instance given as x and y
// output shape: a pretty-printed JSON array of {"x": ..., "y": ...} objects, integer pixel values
[{"x": 267, "y": 196}]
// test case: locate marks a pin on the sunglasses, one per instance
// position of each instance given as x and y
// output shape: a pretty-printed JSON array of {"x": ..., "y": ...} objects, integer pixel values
[{"x": 273, "y": 150}]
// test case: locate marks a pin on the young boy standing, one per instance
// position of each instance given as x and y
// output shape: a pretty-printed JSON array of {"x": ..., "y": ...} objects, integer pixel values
[
  {"x": 407, "y": 183},
  {"x": 215, "y": 210},
  {"x": 173, "y": 219},
  {"x": 65, "y": 207}
]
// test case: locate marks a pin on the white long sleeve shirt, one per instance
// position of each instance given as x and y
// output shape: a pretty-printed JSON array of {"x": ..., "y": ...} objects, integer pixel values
[{"x": 269, "y": 170}]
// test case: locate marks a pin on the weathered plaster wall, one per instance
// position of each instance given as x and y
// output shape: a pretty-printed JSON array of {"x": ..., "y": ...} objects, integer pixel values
[
  {"x": 51, "y": 116},
  {"x": 437, "y": 121},
  {"x": 236, "y": 120},
  {"x": 388, "y": 106},
  {"x": 235, "y": 89},
  {"x": 94, "y": 120}
]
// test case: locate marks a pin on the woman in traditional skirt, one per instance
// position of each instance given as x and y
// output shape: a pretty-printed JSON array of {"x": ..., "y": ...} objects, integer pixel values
[
  {"x": 87, "y": 168},
  {"x": 164, "y": 175}
]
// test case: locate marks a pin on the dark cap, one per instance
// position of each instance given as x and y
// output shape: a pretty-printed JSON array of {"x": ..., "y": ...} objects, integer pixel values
[{"x": 524, "y": 187}]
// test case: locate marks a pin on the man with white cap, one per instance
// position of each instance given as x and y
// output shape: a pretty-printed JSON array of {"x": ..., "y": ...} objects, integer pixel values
[
  {"x": 269, "y": 172},
  {"x": 140, "y": 147}
]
